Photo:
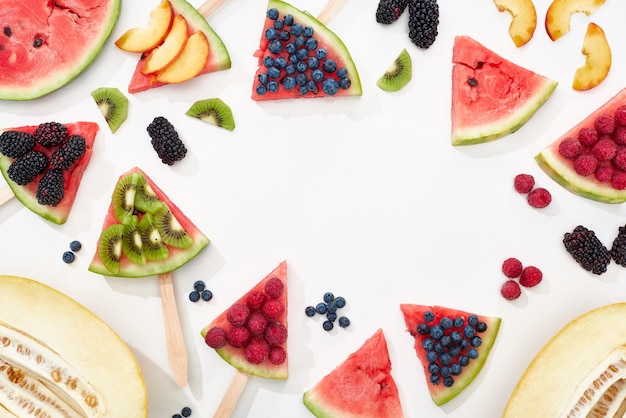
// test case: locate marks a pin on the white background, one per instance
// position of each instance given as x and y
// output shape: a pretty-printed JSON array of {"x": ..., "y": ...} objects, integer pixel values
[{"x": 364, "y": 197}]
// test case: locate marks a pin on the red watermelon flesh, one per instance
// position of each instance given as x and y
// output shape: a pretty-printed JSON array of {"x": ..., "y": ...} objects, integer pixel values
[
  {"x": 452, "y": 345},
  {"x": 176, "y": 256},
  {"x": 360, "y": 387},
  {"x": 27, "y": 194},
  {"x": 256, "y": 350},
  {"x": 491, "y": 96},
  {"x": 219, "y": 59},
  {"x": 45, "y": 44}
]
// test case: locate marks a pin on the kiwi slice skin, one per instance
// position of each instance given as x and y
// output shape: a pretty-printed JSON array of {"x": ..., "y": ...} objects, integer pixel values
[
  {"x": 171, "y": 231},
  {"x": 213, "y": 111},
  {"x": 398, "y": 74},
  {"x": 110, "y": 247},
  {"x": 153, "y": 245},
  {"x": 123, "y": 198},
  {"x": 112, "y": 104}
]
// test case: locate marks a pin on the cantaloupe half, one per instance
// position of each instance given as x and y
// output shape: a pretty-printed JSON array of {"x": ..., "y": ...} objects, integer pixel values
[{"x": 581, "y": 368}]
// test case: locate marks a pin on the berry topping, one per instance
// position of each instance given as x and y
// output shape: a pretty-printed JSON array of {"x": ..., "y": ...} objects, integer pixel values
[
  {"x": 605, "y": 124},
  {"x": 255, "y": 299},
  {"x": 588, "y": 136},
  {"x": 215, "y": 337},
  {"x": 423, "y": 22},
  {"x": 165, "y": 141},
  {"x": 51, "y": 188},
  {"x": 275, "y": 334},
  {"x": 24, "y": 170},
  {"x": 604, "y": 173},
  {"x": 523, "y": 183},
  {"x": 620, "y": 116},
  {"x": 510, "y": 290},
  {"x": 257, "y": 351},
  {"x": 531, "y": 276},
  {"x": 68, "y": 257},
  {"x": 588, "y": 251},
  {"x": 604, "y": 150},
  {"x": 619, "y": 161},
  {"x": 273, "y": 309},
  {"x": 539, "y": 198},
  {"x": 512, "y": 267},
  {"x": 585, "y": 164},
  {"x": 238, "y": 314},
  {"x": 618, "y": 181},
  {"x": 67, "y": 154},
  {"x": 14, "y": 144},
  {"x": 274, "y": 287},
  {"x": 388, "y": 11},
  {"x": 570, "y": 148},
  {"x": 50, "y": 134},
  {"x": 257, "y": 323},
  {"x": 277, "y": 355},
  {"x": 238, "y": 336}
]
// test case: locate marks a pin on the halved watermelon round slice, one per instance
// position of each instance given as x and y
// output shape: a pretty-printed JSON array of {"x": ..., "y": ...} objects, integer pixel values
[{"x": 46, "y": 44}]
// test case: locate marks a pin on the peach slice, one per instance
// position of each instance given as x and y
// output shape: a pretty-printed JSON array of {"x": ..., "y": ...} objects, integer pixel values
[
  {"x": 524, "y": 20},
  {"x": 170, "y": 49},
  {"x": 145, "y": 39},
  {"x": 598, "y": 59},
  {"x": 560, "y": 11},
  {"x": 189, "y": 63}
]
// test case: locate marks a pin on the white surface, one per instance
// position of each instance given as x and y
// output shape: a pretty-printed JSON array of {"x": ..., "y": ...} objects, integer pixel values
[{"x": 364, "y": 197}]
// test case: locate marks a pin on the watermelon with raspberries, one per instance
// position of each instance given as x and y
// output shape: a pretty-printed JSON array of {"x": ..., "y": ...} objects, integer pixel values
[
  {"x": 360, "y": 387},
  {"x": 300, "y": 57},
  {"x": 491, "y": 96},
  {"x": 452, "y": 346},
  {"x": 589, "y": 159},
  {"x": 251, "y": 335},
  {"x": 32, "y": 194}
]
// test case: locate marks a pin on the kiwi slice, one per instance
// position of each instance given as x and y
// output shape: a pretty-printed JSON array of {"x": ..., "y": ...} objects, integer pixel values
[
  {"x": 132, "y": 244},
  {"x": 213, "y": 111},
  {"x": 123, "y": 197},
  {"x": 145, "y": 198},
  {"x": 398, "y": 74},
  {"x": 110, "y": 247},
  {"x": 171, "y": 230},
  {"x": 153, "y": 246},
  {"x": 113, "y": 105}
]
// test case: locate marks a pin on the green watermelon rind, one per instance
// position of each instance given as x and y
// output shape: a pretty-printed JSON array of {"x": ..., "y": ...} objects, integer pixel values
[
  {"x": 314, "y": 402},
  {"x": 233, "y": 357},
  {"x": 48, "y": 85}
]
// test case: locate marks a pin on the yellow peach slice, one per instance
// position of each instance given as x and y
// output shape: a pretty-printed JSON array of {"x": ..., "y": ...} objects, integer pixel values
[
  {"x": 189, "y": 63},
  {"x": 524, "y": 20},
  {"x": 598, "y": 59},
  {"x": 145, "y": 39},
  {"x": 170, "y": 49},
  {"x": 560, "y": 11}
]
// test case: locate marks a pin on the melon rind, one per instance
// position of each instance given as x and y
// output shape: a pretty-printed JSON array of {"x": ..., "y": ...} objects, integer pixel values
[
  {"x": 81, "y": 338},
  {"x": 562, "y": 170},
  {"x": 545, "y": 388}
]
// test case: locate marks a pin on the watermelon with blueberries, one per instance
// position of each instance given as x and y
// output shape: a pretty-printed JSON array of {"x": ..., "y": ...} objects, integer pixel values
[
  {"x": 44, "y": 164},
  {"x": 360, "y": 387},
  {"x": 251, "y": 335},
  {"x": 491, "y": 96},
  {"x": 451, "y": 344},
  {"x": 300, "y": 57}
]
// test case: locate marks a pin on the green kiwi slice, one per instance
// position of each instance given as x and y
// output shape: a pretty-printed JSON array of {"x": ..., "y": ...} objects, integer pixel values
[
  {"x": 398, "y": 74},
  {"x": 132, "y": 244},
  {"x": 213, "y": 111},
  {"x": 171, "y": 231},
  {"x": 153, "y": 245},
  {"x": 123, "y": 197},
  {"x": 110, "y": 247},
  {"x": 113, "y": 105},
  {"x": 145, "y": 198}
]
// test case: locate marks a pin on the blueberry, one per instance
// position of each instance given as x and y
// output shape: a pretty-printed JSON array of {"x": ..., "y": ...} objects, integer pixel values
[
  {"x": 301, "y": 66},
  {"x": 428, "y": 344},
  {"x": 456, "y": 337},
  {"x": 436, "y": 332},
  {"x": 330, "y": 86},
  {"x": 472, "y": 353},
  {"x": 308, "y": 31},
  {"x": 301, "y": 79},
  {"x": 280, "y": 62},
  {"x": 278, "y": 24},
  {"x": 345, "y": 83},
  {"x": 290, "y": 69},
  {"x": 206, "y": 295},
  {"x": 273, "y": 72},
  {"x": 433, "y": 368},
  {"x": 284, "y": 35},
  {"x": 75, "y": 246},
  {"x": 263, "y": 78},
  {"x": 296, "y": 29},
  {"x": 268, "y": 61},
  {"x": 331, "y": 305},
  {"x": 299, "y": 41},
  {"x": 289, "y": 83},
  {"x": 311, "y": 44},
  {"x": 454, "y": 351},
  {"x": 327, "y": 325},
  {"x": 270, "y": 34},
  {"x": 261, "y": 90},
  {"x": 177, "y": 416},
  {"x": 320, "y": 308},
  {"x": 446, "y": 340},
  {"x": 293, "y": 58},
  {"x": 431, "y": 356},
  {"x": 472, "y": 320},
  {"x": 321, "y": 53},
  {"x": 439, "y": 348},
  {"x": 310, "y": 311},
  {"x": 329, "y": 66},
  {"x": 186, "y": 411},
  {"x": 448, "y": 381},
  {"x": 445, "y": 359},
  {"x": 303, "y": 90},
  {"x": 199, "y": 285},
  {"x": 194, "y": 296},
  {"x": 331, "y": 316},
  {"x": 302, "y": 54},
  {"x": 68, "y": 257},
  {"x": 476, "y": 341},
  {"x": 446, "y": 323},
  {"x": 464, "y": 360},
  {"x": 328, "y": 297},
  {"x": 311, "y": 86},
  {"x": 339, "y": 300},
  {"x": 272, "y": 86},
  {"x": 459, "y": 322},
  {"x": 275, "y": 47},
  {"x": 290, "y": 48},
  {"x": 434, "y": 379},
  {"x": 344, "y": 322},
  {"x": 444, "y": 371},
  {"x": 272, "y": 13},
  {"x": 456, "y": 369},
  {"x": 423, "y": 329},
  {"x": 313, "y": 62},
  {"x": 469, "y": 332},
  {"x": 343, "y": 73},
  {"x": 481, "y": 326},
  {"x": 288, "y": 20}
]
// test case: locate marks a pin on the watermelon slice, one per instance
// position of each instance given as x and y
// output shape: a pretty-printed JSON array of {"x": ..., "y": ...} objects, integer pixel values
[
  {"x": 452, "y": 345},
  {"x": 45, "y": 44},
  {"x": 361, "y": 386},
  {"x": 219, "y": 59},
  {"x": 251, "y": 335},
  {"x": 27, "y": 194},
  {"x": 491, "y": 96},
  {"x": 144, "y": 232},
  {"x": 300, "y": 57},
  {"x": 604, "y": 178}
]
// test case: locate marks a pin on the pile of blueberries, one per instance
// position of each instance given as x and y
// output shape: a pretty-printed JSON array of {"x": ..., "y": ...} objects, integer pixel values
[
  {"x": 200, "y": 292},
  {"x": 329, "y": 307}
]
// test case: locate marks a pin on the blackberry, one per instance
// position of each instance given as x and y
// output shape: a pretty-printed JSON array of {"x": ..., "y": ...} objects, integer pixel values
[
  {"x": 618, "y": 249},
  {"x": 423, "y": 22},
  {"x": 50, "y": 134},
  {"x": 587, "y": 249},
  {"x": 51, "y": 188},
  {"x": 67, "y": 154},
  {"x": 26, "y": 168},
  {"x": 14, "y": 144},
  {"x": 389, "y": 11},
  {"x": 165, "y": 141}
]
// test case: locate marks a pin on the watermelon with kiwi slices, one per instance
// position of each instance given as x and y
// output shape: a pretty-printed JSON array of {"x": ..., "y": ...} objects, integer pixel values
[
  {"x": 144, "y": 233},
  {"x": 251, "y": 335},
  {"x": 300, "y": 57},
  {"x": 491, "y": 96},
  {"x": 451, "y": 344},
  {"x": 219, "y": 58},
  {"x": 360, "y": 387},
  {"x": 589, "y": 159},
  {"x": 46, "y": 44},
  {"x": 71, "y": 176}
]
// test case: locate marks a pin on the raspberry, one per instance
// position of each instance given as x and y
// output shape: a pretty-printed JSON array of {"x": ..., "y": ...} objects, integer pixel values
[
  {"x": 512, "y": 267},
  {"x": 585, "y": 164},
  {"x": 274, "y": 287},
  {"x": 273, "y": 309},
  {"x": 605, "y": 124},
  {"x": 604, "y": 173},
  {"x": 278, "y": 355},
  {"x": 604, "y": 149},
  {"x": 531, "y": 276},
  {"x": 570, "y": 148},
  {"x": 215, "y": 337},
  {"x": 619, "y": 135},
  {"x": 238, "y": 314},
  {"x": 619, "y": 161},
  {"x": 618, "y": 181},
  {"x": 510, "y": 290},
  {"x": 523, "y": 183},
  {"x": 257, "y": 351},
  {"x": 255, "y": 300},
  {"x": 257, "y": 323},
  {"x": 620, "y": 115},
  {"x": 238, "y": 336},
  {"x": 539, "y": 198},
  {"x": 588, "y": 136},
  {"x": 275, "y": 334}
]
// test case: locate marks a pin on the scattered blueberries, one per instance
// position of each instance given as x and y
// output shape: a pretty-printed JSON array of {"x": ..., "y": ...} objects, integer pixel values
[
  {"x": 200, "y": 292},
  {"x": 69, "y": 256},
  {"x": 185, "y": 412},
  {"x": 75, "y": 246},
  {"x": 329, "y": 308}
]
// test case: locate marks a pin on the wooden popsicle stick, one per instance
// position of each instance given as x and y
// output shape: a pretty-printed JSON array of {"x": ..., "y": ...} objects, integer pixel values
[
  {"x": 209, "y": 6},
  {"x": 331, "y": 8},
  {"x": 6, "y": 194},
  {"x": 229, "y": 401},
  {"x": 176, "y": 350}
]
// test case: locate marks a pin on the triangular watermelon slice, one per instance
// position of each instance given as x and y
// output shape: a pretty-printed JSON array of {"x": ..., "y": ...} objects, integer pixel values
[
  {"x": 452, "y": 345},
  {"x": 360, "y": 387},
  {"x": 251, "y": 335},
  {"x": 300, "y": 57},
  {"x": 144, "y": 233},
  {"x": 27, "y": 193},
  {"x": 219, "y": 59},
  {"x": 491, "y": 96}
]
